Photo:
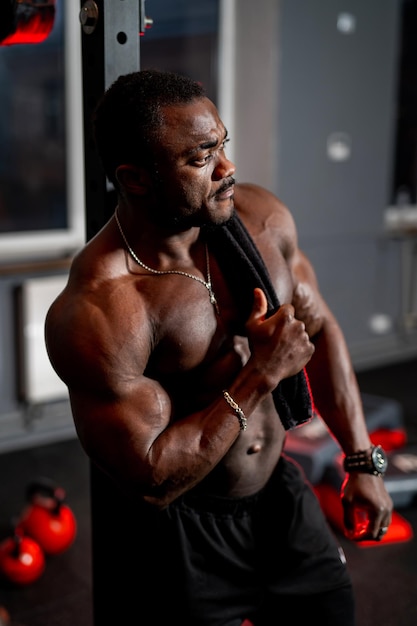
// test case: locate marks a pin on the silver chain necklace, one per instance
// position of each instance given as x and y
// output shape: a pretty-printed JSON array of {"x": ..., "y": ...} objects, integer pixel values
[{"x": 206, "y": 283}]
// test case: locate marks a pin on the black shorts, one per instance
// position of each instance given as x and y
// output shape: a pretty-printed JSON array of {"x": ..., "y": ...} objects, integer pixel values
[
  {"x": 251, "y": 557},
  {"x": 206, "y": 561}
]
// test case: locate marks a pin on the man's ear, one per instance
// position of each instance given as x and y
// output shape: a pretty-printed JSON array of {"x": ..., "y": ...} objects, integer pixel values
[{"x": 134, "y": 179}]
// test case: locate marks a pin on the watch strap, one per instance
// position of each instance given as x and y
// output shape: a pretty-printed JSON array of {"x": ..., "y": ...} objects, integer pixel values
[{"x": 362, "y": 461}]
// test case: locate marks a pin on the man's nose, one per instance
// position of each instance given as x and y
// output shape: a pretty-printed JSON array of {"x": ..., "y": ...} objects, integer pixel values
[{"x": 224, "y": 167}]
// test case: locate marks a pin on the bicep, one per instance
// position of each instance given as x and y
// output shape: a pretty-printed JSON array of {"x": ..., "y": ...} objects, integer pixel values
[
  {"x": 307, "y": 300},
  {"x": 118, "y": 427}
]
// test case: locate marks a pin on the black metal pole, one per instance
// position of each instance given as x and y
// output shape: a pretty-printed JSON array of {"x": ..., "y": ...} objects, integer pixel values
[{"x": 110, "y": 46}]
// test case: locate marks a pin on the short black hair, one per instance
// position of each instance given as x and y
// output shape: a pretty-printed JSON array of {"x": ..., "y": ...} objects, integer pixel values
[{"x": 128, "y": 115}]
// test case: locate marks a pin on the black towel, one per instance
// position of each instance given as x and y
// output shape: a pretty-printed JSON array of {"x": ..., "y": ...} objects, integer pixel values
[{"x": 242, "y": 264}]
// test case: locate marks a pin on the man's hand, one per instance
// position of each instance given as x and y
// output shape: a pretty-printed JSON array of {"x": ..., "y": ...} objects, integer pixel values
[
  {"x": 367, "y": 507},
  {"x": 279, "y": 343}
]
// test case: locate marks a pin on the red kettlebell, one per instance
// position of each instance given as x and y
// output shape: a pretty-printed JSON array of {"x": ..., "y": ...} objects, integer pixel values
[
  {"x": 47, "y": 519},
  {"x": 22, "y": 560}
]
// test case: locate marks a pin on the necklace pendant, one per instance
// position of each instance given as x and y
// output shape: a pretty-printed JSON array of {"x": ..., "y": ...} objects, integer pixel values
[{"x": 213, "y": 300}]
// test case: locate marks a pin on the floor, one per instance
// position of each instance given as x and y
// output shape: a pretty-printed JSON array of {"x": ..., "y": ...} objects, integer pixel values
[{"x": 384, "y": 575}]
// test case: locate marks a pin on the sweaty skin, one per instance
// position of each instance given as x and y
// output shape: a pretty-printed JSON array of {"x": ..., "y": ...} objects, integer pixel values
[{"x": 146, "y": 357}]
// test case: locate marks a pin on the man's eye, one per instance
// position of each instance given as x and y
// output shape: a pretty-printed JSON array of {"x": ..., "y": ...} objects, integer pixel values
[{"x": 204, "y": 159}]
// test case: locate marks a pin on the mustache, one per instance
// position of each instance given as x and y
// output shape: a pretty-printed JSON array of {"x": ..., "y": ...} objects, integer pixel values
[{"x": 228, "y": 182}]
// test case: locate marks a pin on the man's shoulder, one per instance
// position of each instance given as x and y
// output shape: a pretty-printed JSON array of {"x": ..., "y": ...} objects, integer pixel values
[
  {"x": 253, "y": 191},
  {"x": 256, "y": 203}
]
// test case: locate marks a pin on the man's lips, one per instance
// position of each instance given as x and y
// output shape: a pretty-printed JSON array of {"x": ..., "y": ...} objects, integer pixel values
[{"x": 225, "y": 193}]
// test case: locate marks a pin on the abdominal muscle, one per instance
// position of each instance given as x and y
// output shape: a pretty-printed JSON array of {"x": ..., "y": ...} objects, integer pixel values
[{"x": 251, "y": 460}]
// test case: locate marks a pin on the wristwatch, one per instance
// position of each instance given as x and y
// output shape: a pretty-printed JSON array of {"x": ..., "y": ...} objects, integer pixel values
[{"x": 371, "y": 461}]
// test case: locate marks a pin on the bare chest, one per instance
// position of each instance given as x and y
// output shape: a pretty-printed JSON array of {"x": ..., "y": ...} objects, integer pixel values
[{"x": 196, "y": 327}]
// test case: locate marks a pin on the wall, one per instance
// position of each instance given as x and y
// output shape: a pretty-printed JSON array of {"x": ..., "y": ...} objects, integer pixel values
[
  {"x": 29, "y": 415},
  {"x": 333, "y": 131}
]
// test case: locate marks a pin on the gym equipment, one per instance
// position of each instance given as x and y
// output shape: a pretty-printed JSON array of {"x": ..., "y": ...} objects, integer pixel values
[
  {"x": 22, "y": 560},
  {"x": 25, "y": 21},
  {"x": 47, "y": 519},
  {"x": 401, "y": 477},
  {"x": 314, "y": 448}
]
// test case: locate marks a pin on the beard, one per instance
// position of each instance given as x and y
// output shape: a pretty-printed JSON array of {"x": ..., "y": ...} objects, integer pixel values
[{"x": 187, "y": 217}]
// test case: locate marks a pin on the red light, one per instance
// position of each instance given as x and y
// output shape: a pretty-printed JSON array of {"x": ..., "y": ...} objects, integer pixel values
[
  {"x": 389, "y": 439},
  {"x": 399, "y": 530},
  {"x": 33, "y": 23}
]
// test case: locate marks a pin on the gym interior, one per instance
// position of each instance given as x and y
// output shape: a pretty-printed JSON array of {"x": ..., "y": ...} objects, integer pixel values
[{"x": 324, "y": 93}]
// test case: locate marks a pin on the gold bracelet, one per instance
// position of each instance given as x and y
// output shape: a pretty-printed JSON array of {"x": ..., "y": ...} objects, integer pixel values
[{"x": 243, "y": 422}]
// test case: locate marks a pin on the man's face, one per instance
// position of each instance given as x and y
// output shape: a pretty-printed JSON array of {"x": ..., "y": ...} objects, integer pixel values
[{"x": 194, "y": 182}]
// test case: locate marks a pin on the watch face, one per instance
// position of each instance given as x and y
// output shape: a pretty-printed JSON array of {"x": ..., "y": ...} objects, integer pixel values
[{"x": 379, "y": 459}]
